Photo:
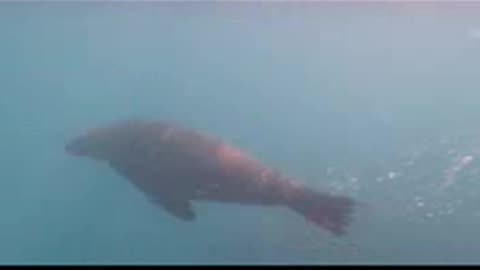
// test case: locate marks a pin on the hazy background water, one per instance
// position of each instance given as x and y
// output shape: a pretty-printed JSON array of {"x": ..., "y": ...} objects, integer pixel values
[{"x": 338, "y": 95}]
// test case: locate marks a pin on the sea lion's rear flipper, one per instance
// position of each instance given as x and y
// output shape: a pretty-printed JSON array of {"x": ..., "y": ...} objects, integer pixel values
[
  {"x": 179, "y": 207},
  {"x": 330, "y": 212}
]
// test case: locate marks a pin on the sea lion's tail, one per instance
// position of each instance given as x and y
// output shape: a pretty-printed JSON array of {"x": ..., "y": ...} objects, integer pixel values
[{"x": 330, "y": 212}]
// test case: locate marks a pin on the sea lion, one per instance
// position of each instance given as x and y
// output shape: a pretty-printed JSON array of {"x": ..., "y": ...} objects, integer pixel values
[{"x": 175, "y": 165}]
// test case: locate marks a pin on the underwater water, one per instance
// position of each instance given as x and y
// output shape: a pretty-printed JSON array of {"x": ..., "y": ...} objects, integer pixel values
[{"x": 373, "y": 100}]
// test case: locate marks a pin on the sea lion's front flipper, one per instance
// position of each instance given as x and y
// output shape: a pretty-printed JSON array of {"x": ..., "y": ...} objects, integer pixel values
[{"x": 179, "y": 207}]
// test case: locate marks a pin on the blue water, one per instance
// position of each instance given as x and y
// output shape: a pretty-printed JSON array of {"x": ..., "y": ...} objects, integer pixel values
[{"x": 338, "y": 95}]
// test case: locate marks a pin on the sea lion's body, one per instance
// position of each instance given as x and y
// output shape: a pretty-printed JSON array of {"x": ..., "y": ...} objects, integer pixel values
[{"x": 174, "y": 166}]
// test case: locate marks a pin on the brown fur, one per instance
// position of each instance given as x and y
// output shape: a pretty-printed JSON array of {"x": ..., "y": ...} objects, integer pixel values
[{"x": 174, "y": 166}]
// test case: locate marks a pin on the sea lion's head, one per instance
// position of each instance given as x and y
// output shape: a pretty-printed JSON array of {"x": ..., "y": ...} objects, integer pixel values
[
  {"x": 103, "y": 143},
  {"x": 96, "y": 143}
]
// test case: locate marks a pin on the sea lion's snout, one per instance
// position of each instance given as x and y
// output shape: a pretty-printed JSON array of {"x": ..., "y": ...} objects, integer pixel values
[
  {"x": 76, "y": 147},
  {"x": 97, "y": 144}
]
